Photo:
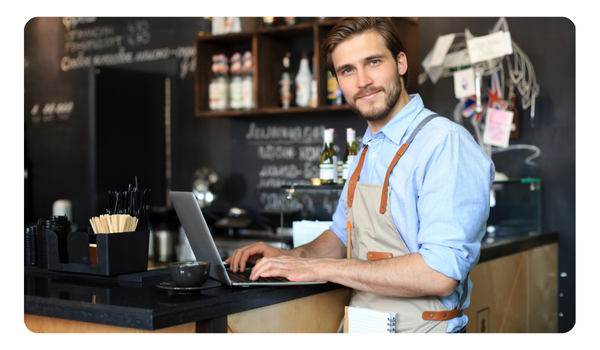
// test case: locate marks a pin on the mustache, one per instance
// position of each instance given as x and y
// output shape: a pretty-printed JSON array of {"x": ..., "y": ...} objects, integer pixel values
[{"x": 367, "y": 91}]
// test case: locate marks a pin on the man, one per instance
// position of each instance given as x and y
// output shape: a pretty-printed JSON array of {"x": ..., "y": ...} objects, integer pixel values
[{"x": 416, "y": 221}]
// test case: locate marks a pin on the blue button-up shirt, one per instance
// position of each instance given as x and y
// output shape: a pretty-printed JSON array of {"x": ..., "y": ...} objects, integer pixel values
[{"x": 440, "y": 192}]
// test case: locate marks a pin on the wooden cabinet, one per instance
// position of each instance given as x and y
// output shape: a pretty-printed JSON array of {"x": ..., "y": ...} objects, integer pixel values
[
  {"x": 268, "y": 47},
  {"x": 516, "y": 293}
]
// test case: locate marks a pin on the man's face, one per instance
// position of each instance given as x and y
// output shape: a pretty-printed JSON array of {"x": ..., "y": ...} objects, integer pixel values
[{"x": 368, "y": 75}]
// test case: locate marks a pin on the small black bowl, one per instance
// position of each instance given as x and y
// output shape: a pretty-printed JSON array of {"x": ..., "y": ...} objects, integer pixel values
[{"x": 189, "y": 273}]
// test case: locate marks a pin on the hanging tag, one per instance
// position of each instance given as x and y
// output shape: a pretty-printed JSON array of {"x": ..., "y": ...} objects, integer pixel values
[
  {"x": 497, "y": 127},
  {"x": 433, "y": 62},
  {"x": 464, "y": 83},
  {"x": 490, "y": 46}
]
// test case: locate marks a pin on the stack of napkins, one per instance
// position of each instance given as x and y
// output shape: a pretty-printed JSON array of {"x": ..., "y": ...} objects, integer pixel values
[{"x": 306, "y": 231}]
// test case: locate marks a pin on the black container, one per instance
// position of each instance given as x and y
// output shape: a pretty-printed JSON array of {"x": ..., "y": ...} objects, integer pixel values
[
  {"x": 61, "y": 226},
  {"x": 117, "y": 253}
]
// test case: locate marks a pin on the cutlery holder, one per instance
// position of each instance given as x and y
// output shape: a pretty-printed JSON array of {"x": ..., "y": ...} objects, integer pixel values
[{"x": 117, "y": 253}]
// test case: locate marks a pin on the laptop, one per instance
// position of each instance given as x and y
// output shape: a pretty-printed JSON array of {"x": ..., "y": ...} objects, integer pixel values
[{"x": 204, "y": 248}]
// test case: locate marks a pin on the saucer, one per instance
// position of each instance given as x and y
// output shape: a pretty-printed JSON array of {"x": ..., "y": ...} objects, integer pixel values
[{"x": 170, "y": 285}]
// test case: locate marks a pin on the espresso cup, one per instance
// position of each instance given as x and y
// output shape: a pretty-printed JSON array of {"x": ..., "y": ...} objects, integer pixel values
[{"x": 189, "y": 273}]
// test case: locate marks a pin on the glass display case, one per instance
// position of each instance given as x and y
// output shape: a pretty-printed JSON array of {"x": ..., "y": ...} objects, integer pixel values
[{"x": 515, "y": 208}]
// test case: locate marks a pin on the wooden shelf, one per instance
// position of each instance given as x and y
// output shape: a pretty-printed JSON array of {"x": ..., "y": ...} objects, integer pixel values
[
  {"x": 273, "y": 111},
  {"x": 268, "y": 47}
]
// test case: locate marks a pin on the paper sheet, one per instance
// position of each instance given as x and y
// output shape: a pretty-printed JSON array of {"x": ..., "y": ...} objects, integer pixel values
[
  {"x": 306, "y": 231},
  {"x": 464, "y": 83},
  {"x": 497, "y": 127}
]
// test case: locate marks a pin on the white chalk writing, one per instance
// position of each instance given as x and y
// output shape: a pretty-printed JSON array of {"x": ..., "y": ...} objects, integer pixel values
[
  {"x": 72, "y": 22},
  {"x": 276, "y": 152},
  {"x": 285, "y": 134}
]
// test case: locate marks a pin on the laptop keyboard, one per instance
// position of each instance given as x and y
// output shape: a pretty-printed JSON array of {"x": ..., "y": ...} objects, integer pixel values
[{"x": 244, "y": 277}]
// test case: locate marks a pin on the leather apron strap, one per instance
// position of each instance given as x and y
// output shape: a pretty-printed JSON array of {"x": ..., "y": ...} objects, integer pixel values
[{"x": 399, "y": 153}]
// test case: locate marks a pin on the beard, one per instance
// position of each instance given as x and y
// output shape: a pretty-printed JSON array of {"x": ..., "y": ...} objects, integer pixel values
[{"x": 374, "y": 114}]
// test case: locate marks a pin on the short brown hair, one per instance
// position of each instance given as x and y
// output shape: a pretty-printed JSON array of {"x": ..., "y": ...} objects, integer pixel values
[{"x": 351, "y": 26}]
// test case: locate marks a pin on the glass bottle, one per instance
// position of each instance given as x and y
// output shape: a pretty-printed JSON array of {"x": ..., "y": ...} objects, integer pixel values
[
  {"x": 235, "y": 85},
  {"x": 314, "y": 98},
  {"x": 328, "y": 164},
  {"x": 303, "y": 81},
  {"x": 334, "y": 94},
  {"x": 212, "y": 87},
  {"x": 285, "y": 84},
  {"x": 247, "y": 85},
  {"x": 350, "y": 154},
  {"x": 222, "y": 83}
]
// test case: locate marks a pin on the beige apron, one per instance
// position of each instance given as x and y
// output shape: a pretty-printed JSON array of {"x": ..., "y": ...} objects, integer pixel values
[{"x": 374, "y": 236}]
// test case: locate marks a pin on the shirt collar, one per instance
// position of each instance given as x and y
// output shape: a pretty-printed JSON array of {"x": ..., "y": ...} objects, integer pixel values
[{"x": 396, "y": 128}]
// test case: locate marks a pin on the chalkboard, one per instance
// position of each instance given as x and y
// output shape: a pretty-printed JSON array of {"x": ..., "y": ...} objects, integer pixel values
[
  {"x": 61, "y": 55},
  {"x": 276, "y": 152}
]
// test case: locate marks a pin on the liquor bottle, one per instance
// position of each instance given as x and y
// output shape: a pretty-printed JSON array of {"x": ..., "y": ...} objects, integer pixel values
[
  {"x": 313, "y": 94},
  {"x": 285, "y": 84},
  {"x": 247, "y": 85},
  {"x": 290, "y": 21},
  {"x": 334, "y": 94},
  {"x": 224, "y": 83},
  {"x": 327, "y": 165},
  {"x": 235, "y": 85},
  {"x": 351, "y": 152},
  {"x": 303, "y": 79},
  {"x": 212, "y": 87}
]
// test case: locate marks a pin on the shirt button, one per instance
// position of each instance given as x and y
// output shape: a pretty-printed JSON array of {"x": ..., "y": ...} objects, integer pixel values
[{"x": 374, "y": 155}]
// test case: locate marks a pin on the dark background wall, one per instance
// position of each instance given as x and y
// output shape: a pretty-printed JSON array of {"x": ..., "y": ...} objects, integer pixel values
[
  {"x": 550, "y": 45},
  {"x": 62, "y": 58}
]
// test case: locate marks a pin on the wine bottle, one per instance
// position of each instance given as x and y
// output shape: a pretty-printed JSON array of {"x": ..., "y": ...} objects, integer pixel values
[
  {"x": 303, "y": 79},
  {"x": 327, "y": 165},
  {"x": 334, "y": 156},
  {"x": 350, "y": 154},
  {"x": 285, "y": 84}
]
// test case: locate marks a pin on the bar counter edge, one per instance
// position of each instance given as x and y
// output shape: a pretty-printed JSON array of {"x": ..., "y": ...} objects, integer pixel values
[{"x": 210, "y": 307}]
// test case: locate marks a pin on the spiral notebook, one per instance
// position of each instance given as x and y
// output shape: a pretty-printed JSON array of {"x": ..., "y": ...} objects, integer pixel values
[{"x": 363, "y": 320}]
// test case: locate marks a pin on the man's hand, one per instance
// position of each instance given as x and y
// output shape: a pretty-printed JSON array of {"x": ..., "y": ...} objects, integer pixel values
[
  {"x": 293, "y": 268},
  {"x": 252, "y": 253},
  {"x": 327, "y": 245}
]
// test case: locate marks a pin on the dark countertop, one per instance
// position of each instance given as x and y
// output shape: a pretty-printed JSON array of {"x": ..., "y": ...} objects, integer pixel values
[
  {"x": 137, "y": 302},
  {"x": 503, "y": 246}
]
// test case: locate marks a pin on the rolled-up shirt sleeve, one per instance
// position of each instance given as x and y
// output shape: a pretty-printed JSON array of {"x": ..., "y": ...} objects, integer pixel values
[
  {"x": 339, "y": 221},
  {"x": 453, "y": 203}
]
